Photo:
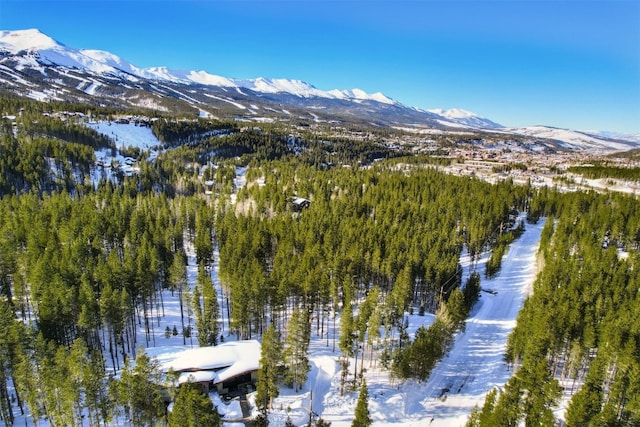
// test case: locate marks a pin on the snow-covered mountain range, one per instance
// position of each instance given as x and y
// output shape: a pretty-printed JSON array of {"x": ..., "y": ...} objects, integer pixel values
[
  {"x": 46, "y": 50},
  {"x": 36, "y": 65},
  {"x": 25, "y": 51}
]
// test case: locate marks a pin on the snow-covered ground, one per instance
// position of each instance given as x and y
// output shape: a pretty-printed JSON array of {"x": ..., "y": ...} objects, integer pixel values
[
  {"x": 459, "y": 382},
  {"x": 127, "y": 134},
  {"x": 124, "y": 135}
]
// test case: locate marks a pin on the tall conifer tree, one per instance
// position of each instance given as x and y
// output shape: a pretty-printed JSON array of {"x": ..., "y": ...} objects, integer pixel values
[
  {"x": 362, "y": 415},
  {"x": 271, "y": 354}
]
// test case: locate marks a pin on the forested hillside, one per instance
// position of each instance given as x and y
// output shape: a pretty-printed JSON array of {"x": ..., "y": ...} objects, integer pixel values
[
  {"x": 87, "y": 266},
  {"x": 580, "y": 326}
]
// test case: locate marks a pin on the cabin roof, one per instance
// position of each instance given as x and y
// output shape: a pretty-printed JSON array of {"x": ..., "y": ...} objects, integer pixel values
[{"x": 217, "y": 363}]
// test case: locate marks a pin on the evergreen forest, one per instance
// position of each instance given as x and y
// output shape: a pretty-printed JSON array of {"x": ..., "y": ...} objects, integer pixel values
[{"x": 88, "y": 259}]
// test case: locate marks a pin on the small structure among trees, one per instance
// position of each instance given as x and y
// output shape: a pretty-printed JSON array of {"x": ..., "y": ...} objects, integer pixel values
[
  {"x": 299, "y": 203},
  {"x": 223, "y": 367}
]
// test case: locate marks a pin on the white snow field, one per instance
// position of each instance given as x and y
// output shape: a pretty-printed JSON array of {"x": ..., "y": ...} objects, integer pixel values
[{"x": 127, "y": 134}]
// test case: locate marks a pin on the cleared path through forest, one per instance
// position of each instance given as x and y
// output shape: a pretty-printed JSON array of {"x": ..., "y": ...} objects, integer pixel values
[{"x": 476, "y": 364}]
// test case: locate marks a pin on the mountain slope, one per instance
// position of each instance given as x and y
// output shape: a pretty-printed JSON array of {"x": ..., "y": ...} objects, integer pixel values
[
  {"x": 35, "y": 65},
  {"x": 52, "y": 52},
  {"x": 466, "y": 118},
  {"x": 64, "y": 72},
  {"x": 577, "y": 140}
]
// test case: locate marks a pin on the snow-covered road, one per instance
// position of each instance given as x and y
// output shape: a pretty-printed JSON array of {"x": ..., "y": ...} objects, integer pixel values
[
  {"x": 475, "y": 364},
  {"x": 460, "y": 381}
]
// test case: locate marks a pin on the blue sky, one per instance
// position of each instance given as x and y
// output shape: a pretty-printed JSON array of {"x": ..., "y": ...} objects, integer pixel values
[{"x": 572, "y": 64}]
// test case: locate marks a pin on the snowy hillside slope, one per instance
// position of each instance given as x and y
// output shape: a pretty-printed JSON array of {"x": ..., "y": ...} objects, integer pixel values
[
  {"x": 467, "y": 118},
  {"x": 614, "y": 135},
  {"x": 474, "y": 366},
  {"x": 572, "y": 139},
  {"x": 52, "y": 52},
  {"x": 35, "y": 65},
  {"x": 25, "y": 50}
]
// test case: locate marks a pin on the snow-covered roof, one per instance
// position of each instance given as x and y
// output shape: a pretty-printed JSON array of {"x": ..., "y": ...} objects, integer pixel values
[
  {"x": 218, "y": 363},
  {"x": 196, "y": 377},
  {"x": 300, "y": 201}
]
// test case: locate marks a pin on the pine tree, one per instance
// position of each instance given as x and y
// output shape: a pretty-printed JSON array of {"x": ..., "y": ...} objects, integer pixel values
[
  {"x": 139, "y": 389},
  {"x": 542, "y": 392},
  {"x": 484, "y": 417},
  {"x": 267, "y": 387},
  {"x": 474, "y": 418},
  {"x": 260, "y": 421},
  {"x": 86, "y": 374},
  {"x": 320, "y": 422},
  {"x": 200, "y": 321},
  {"x": 584, "y": 406},
  {"x": 362, "y": 415},
  {"x": 207, "y": 311},
  {"x": 401, "y": 292},
  {"x": 362, "y": 322},
  {"x": 296, "y": 354},
  {"x": 7, "y": 320},
  {"x": 204, "y": 240},
  {"x": 346, "y": 341},
  {"x": 192, "y": 408},
  {"x": 457, "y": 309},
  {"x": 27, "y": 377},
  {"x": 178, "y": 281},
  {"x": 59, "y": 393},
  {"x": 472, "y": 290},
  {"x": 373, "y": 330}
]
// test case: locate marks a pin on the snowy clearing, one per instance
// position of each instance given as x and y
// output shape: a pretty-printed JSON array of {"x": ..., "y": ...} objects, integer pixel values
[{"x": 127, "y": 135}]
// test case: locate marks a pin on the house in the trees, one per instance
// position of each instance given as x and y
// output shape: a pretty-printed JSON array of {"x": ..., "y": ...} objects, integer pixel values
[
  {"x": 225, "y": 367},
  {"x": 299, "y": 203},
  {"x": 208, "y": 187}
]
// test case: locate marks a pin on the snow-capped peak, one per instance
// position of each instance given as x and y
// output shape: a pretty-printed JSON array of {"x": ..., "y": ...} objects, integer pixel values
[
  {"x": 107, "y": 58},
  {"x": 51, "y": 52},
  {"x": 294, "y": 87},
  {"x": 453, "y": 113},
  {"x": 359, "y": 94},
  {"x": 463, "y": 117},
  {"x": 204, "y": 78},
  {"x": 32, "y": 39}
]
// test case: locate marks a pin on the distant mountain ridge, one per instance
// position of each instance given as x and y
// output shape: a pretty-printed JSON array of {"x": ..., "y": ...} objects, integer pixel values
[
  {"x": 36, "y": 65},
  {"x": 55, "y": 53},
  {"x": 31, "y": 49}
]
